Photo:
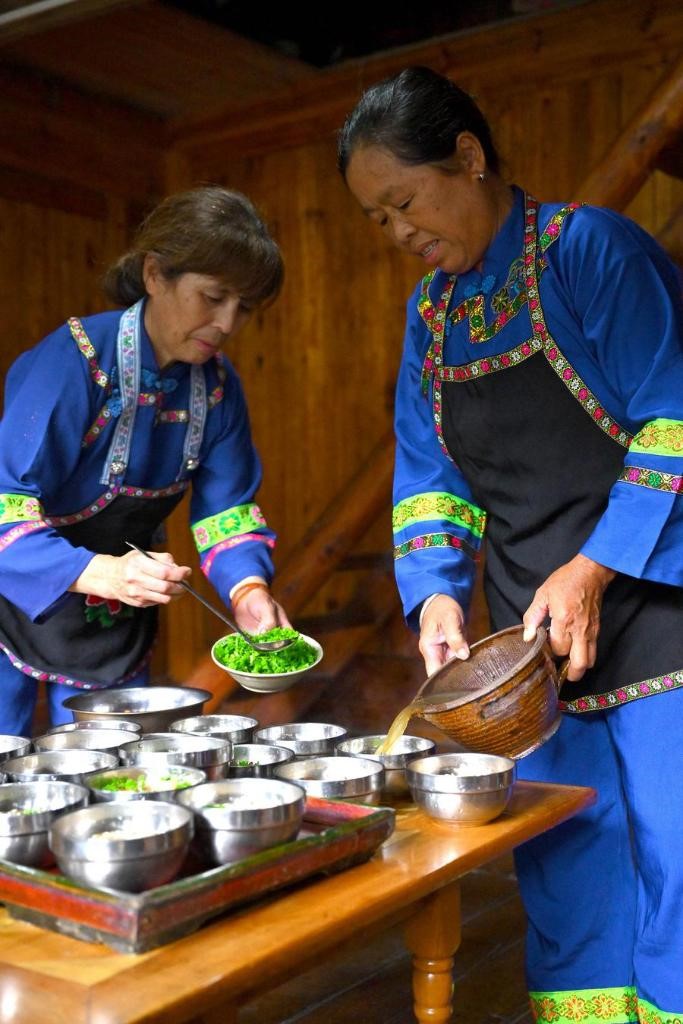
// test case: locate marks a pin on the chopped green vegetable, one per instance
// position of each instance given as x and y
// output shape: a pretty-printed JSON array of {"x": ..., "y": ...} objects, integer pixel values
[
  {"x": 141, "y": 784},
  {"x": 234, "y": 652},
  {"x": 243, "y": 763}
]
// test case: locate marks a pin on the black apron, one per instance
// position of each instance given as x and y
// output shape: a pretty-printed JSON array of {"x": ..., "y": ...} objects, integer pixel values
[
  {"x": 543, "y": 470},
  {"x": 67, "y": 647}
]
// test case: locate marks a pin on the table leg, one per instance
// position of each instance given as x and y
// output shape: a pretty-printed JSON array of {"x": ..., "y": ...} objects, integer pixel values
[{"x": 433, "y": 935}]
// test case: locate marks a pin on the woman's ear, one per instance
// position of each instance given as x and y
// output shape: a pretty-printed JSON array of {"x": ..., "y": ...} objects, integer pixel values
[{"x": 470, "y": 154}]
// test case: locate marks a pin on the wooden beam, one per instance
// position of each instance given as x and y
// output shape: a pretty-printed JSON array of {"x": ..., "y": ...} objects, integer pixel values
[
  {"x": 671, "y": 236},
  {"x": 627, "y": 163},
  {"x": 27, "y": 18},
  {"x": 520, "y": 54}
]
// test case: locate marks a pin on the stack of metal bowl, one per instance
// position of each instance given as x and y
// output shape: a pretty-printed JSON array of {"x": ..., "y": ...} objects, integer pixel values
[
  {"x": 131, "y": 847},
  {"x": 306, "y": 739},
  {"x": 152, "y": 707},
  {"x": 336, "y": 778},
  {"x": 257, "y": 760},
  {"x": 239, "y": 817},
  {"x": 107, "y": 740},
  {"x": 120, "y": 785},
  {"x": 59, "y": 765},
  {"x": 465, "y": 788},
  {"x": 403, "y": 751},
  {"x": 27, "y": 810},
  {"x": 163, "y": 749},
  {"x": 236, "y": 728}
]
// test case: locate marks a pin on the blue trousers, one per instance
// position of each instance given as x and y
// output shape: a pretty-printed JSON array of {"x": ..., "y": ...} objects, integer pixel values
[
  {"x": 604, "y": 891},
  {"x": 19, "y": 693}
]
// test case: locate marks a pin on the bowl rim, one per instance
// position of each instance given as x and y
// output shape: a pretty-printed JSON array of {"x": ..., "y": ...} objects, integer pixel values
[
  {"x": 356, "y": 785},
  {"x": 535, "y": 647},
  {"x": 292, "y": 674},
  {"x": 83, "y": 848},
  {"x": 228, "y": 819},
  {"x": 75, "y": 703},
  {"x": 499, "y": 777}
]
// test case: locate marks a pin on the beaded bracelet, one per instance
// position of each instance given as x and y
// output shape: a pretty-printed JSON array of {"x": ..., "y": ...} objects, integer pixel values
[{"x": 244, "y": 590}]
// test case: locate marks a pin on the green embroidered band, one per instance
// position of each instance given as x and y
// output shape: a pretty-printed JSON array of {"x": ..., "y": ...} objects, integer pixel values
[
  {"x": 433, "y": 505},
  {"x": 660, "y": 437},
  {"x": 230, "y": 523},
  {"x": 649, "y": 1014},
  {"x": 19, "y": 508},
  {"x": 586, "y": 1006}
]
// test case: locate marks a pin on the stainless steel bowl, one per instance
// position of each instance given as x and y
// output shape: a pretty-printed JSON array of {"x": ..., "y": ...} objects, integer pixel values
[
  {"x": 13, "y": 746},
  {"x": 253, "y": 815},
  {"x": 406, "y": 749},
  {"x": 130, "y": 847},
  {"x": 152, "y": 707},
  {"x": 97, "y": 723},
  {"x": 157, "y": 749},
  {"x": 336, "y": 778},
  {"x": 261, "y": 759},
  {"x": 27, "y": 809},
  {"x": 55, "y": 765},
  {"x": 158, "y": 785},
  {"x": 306, "y": 739},
  {"x": 108, "y": 740},
  {"x": 236, "y": 728},
  {"x": 466, "y": 788}
]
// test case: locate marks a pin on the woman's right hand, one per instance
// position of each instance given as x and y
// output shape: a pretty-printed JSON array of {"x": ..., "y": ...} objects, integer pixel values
[
  {"x": 133, "y": 578},
  {"x": 443, "y": 633}
]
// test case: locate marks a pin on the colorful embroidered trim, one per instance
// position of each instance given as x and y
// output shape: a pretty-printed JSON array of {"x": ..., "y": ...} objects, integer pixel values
[
  {"x": 660, "y": 437},
  {"x": 560, "y": 365},
  {"x": 652, "y": 478},
  {"x": 236, "y": 520},
  {"x": 491, "y": 364},
  {"x": 586, "y": 1006},
  {"x": 439, "y": 505},
  {"x": 106, "y": 499},
  {"x": 649, "y": 1014},
  {"x": 16, "y": 508},
  {"x": 86, "y": 348},
  {"x": 624, "y": 694},
  {"x": 435, "y": 319},
  {"x": 434, "y": 540},
  {"x": 17, "y": 532},
  {"x": 226, "y": 544},
  {"x": 58, "y": 677}
]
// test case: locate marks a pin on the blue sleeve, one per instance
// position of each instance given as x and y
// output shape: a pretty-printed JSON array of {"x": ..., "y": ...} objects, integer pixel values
[
  {"x": 229, "y": 529},
  {"x": 628, "y": 297},
  {"x": 437, "y": 528},
  {"x": 46, "y": 413}
]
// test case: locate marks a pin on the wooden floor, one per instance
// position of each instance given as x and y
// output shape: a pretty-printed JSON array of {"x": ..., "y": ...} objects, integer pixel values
[{"x": 371, "y": 984}]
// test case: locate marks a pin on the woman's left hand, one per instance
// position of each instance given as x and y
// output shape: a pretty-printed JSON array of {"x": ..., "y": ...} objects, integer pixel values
[
  {"x": 259, "y": 611},
  {"x": 572, "y": 598}
]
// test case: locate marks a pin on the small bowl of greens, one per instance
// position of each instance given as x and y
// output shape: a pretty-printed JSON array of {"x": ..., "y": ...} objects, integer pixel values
[
  {"x": 267, "y": 671},
  {"x": 258, "y": 760},
  {"x": 27, "y": 810},
  {"x": 119, "y": 785}
]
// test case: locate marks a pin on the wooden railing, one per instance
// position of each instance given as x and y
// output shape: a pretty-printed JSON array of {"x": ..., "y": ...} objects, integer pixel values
[{"x": 654, "y": 132}]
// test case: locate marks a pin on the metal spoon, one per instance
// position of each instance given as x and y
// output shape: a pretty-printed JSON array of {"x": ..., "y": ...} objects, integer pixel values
[{"x": 259, "y": 645}]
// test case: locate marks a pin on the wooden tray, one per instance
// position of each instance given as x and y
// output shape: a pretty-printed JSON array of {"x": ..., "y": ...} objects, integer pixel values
[{"x": 334, "y": 836}]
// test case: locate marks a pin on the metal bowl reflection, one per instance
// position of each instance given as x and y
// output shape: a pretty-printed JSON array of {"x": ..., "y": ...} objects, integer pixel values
[
  {"x": 238, "y": 817},
  {"x": 159, "y": 749},
  {"x": 336, "y": 778},
  {"x": 108, "y": 740},
  {"x": 236, "y": 728},
  {"x": 152, "y": 707},
  {"x": 404, "y": 750},
  {"x": 56, "y": 765},
  {"x": 466, "y": 788},
  {"x": 13, "y": 746},
  {"x": 306, "y": 739},
  {"x": 27, "y": 809},
  {"x": 257, "y": 760},
  {"x": 97, "y": 723},
  {"x": 130, "y": 847}
]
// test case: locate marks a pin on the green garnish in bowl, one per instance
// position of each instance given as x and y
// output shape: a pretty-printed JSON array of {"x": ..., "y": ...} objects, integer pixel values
[{"x": 234, "y": 652}]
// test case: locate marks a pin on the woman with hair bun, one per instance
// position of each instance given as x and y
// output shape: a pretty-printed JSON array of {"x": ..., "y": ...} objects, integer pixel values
[
  {"x": 539, "y": 410},
  {"x": 107, "y": 422}
]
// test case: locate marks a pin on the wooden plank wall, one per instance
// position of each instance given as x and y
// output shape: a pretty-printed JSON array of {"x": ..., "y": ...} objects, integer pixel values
[{"x": 319, "y": 367}]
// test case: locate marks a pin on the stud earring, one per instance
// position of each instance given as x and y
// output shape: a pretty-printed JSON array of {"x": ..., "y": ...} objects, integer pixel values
[{"x": 482, "y": 176}]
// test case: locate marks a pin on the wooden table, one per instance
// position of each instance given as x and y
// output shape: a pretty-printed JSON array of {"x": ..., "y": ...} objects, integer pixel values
[{"x": 202, "y": 979}]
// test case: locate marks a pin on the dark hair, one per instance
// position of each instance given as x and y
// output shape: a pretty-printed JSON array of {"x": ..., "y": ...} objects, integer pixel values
[
  {"x": 206, "y": 230},
  {"x": 417, "y": 116}
]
